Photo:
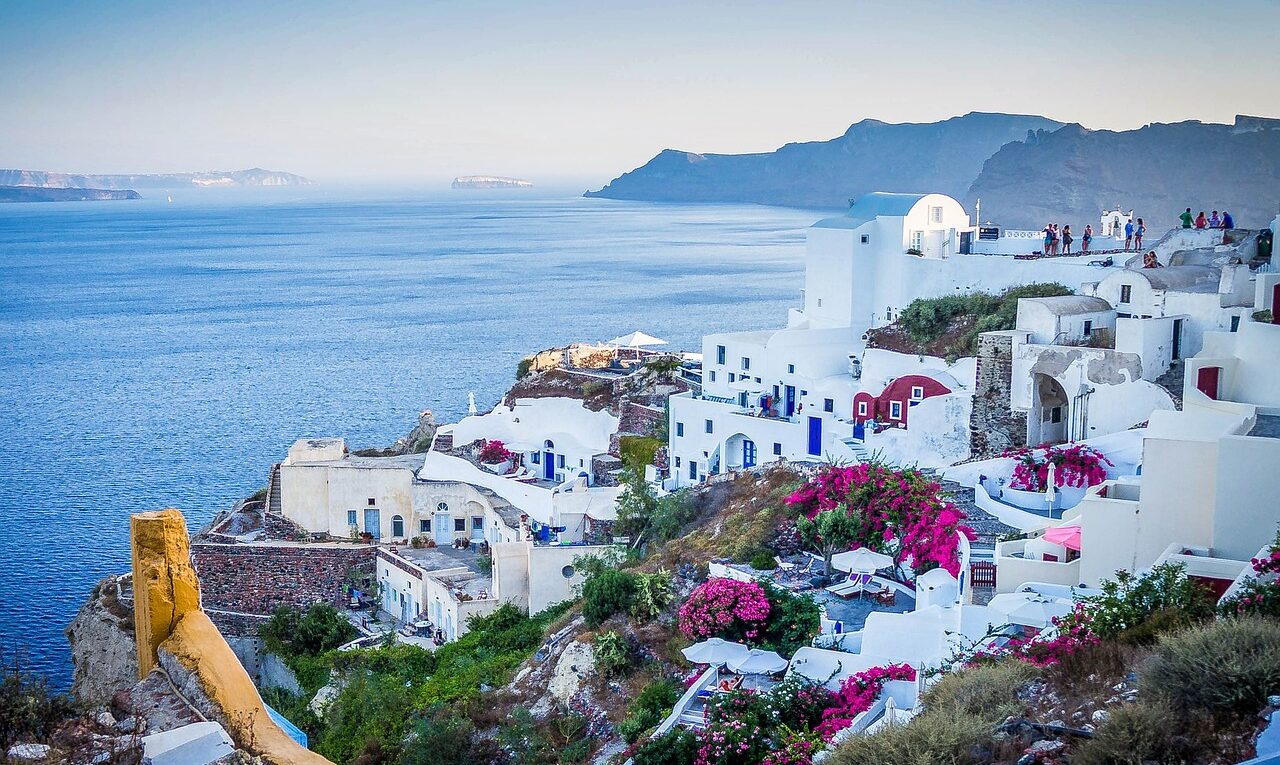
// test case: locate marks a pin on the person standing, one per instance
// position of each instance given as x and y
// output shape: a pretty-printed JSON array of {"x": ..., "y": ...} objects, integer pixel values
[
  {"x": 1086, "y": 239},
  {"x": 1066, "y": 239},
  {"x": 1128, "y": 234},
  {"x": 1048, "y": 238},
  {"x": 1185, "y": 217},
  {"x": 1228, "y": 222},
  {"x": 1138, "y": 232},
  {"x": 1201, "y": 221},
  {"x": 1214, "y": 220}
]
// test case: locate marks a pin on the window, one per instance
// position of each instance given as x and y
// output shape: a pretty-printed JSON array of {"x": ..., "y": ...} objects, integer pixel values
[
  {"x": 777, "y": 449},
  {"x": 679, "y": 430},
  {"x": 819, "y": 302},
  {"x": 1126, "y": 292},
  {"x": 710, "y": 426},
  {"x": 895, "y": 410},
  {"x": 935, "y": 214},
  {"x": 535, "y": 457},
  {"x": 397, "y": 525},
  {"x": 693, "y": 471},
  {"x": 862, "y": 409},
  {"x": 548, "y": 444},
  {"x": 1235, "y": 323},
  {"x": 917, "y": 240},
  {"x": 459, "y": 524},
  {"x": 372, "y": 501},
  {"x": 477, "y": 523},
  {"x": 732, "y": 377},
  {"x": 559, "y": 460},
  {"x": 828, "y": 405},
  {"x": 1056, "y": 415},
  {"x": 712, "y": 375},
  {"x": 719, "y": 354},
  {"x": 757, "y": 379},
  {"x": 1088, "y": 327},
  {"x": 866, "y": 239},
  {"x": 917, "y": 393},
  {"x": 442, "y": 507},
  {"x": 351, "y": 517},
  {"x": 791, "y": 369},
  {"x": 568, "y": 571},
  {"x": 677, "y": 462},
  {"x": 746, "y": 362},
  {"x": 424, "y": 526}
]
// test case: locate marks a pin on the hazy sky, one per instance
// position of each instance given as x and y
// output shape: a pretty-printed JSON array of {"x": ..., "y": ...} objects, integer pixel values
[{"x": 582, "y": 91}]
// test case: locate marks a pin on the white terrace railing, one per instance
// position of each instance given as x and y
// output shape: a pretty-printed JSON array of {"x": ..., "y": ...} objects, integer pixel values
[{"x": 705, "y": 681}]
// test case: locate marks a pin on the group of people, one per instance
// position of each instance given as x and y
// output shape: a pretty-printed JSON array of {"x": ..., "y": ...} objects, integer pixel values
[
  {"x": 1055, "y": 237},
  {"x": 1225, "y": 222}
]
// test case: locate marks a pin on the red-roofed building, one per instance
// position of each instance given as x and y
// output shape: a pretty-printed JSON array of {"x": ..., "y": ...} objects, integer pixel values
[{"x": 891, "y": 407}]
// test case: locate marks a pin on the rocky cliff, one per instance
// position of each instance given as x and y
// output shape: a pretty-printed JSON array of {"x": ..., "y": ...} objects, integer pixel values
[
  {"x": 871, "y": 156},
  {"x": 103, "y": 652},
  {"x": 1070, "y": 175},
  {"x": 229, "y": 178},
  {"x": 42, "y": 194}
]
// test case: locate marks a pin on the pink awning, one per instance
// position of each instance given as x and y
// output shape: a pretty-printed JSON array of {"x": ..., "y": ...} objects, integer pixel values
[{"x": 1067, "y": 536}]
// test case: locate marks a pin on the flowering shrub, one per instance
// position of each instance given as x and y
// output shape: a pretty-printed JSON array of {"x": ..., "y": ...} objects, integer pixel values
[
  {"x": 494, "y": 452},
  {"x": 1076, "y": 466},
  {"x": 796, "y": 747},
  {"x": 736, "y": 730},
  {"x": 901, "y": 512},
  {"x": 1075, "y": 632},
  {"x": 725, "y": 608},
  {"x": 794, "y": 620},
  {"x": 1261, "y": 594},
  {"x": 856, "y": 695},
  {"x": 797, "y": 703}
]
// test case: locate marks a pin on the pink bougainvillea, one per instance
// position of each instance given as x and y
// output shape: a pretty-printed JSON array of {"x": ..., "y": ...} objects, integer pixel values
[
  {"x": 1073, "y": 634},
  {"x": 725, "y": 608},
  {"x": 856, "y": 695},
  {"x": 494, "y": 452},
  {"x": 1261, "y": 592},
  {"x": 1077, "y": 466},
  {"x": 904, "y": 512}
]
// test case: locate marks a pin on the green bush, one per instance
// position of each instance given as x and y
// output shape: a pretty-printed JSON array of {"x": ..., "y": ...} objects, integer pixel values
[
  {"x": 638, "y": 451},
  {"x": 763, "y": 561},
  {"x": 290, "y": 632},
  {"x": 926, "y": 740},
  {"x": 1135, "y": 734},
  {"x": 606, "y": 594},
  {"x": 370, "y": 707},
  {"x": 524, "y": 367},
  {"x": 678, "y": 747},
  {"x": 612, "y": 653},
  {"x": 439, "y": 738},
  {"x": 29, "y": 708},
  {"x": 988, "y": 692},
  {"x": 793, "y": 620},
  {"x": 650, "y": 707},
  {"x": 1226, "y": 668},
  {"x": 654, "y": 592},
  {"x": 927, "y": 319},
  {"x": 1129, "y": 601}
]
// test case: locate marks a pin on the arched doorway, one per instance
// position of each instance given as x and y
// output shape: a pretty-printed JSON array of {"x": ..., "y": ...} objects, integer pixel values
[
  {"x": 739, "y": 452},
  {"x": 548, "y": 460},
  {"x": 1047, "y": 421}
]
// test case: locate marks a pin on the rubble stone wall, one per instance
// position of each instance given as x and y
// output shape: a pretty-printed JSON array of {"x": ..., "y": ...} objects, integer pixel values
[{"x": 993, "y": 425}]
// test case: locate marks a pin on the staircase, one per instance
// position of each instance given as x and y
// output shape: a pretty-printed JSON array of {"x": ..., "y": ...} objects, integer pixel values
[
  {"x": 860, "y": 451},
  {"x": 273, "y": 490}
]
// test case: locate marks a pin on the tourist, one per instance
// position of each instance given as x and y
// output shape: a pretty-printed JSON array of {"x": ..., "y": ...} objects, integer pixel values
[
  {"x": 1128, "y": 234},
  {"x": 1214, "y": 220},
  {"x": 1048, "y": 238},
  {"x": 1228, "y": 222},
  {"x": 1201, "y": 221},
  {"x": 1066, "y": 239},
  {"x": 1150, "y": 260},
  {"x": 1186, "y": 217},
  {"x": 1086, "y": 239},
  {"x": 1138, "y": 232}
]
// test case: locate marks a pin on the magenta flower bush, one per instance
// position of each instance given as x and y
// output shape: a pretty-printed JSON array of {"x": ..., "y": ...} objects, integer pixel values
[
  {"x": 1076, "y": 466},
  {"x": 904, "y": 513},
  {"x": 494, "y": 452},
  {"x": 856, "y": 695},
  {"x": 725, "y": 608},
  {"x": 1074, "y": 634},
  {"x": 1260, "y": 594}
]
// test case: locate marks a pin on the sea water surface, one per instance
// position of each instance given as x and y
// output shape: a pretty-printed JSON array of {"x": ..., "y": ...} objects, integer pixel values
[{"x": 162, "y": 354}]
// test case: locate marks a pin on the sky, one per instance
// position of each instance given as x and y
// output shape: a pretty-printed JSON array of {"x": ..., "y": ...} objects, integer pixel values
[{"x": 580, "y": 91}]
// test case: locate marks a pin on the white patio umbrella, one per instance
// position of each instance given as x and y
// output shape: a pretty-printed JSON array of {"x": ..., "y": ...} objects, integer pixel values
[
  {"x": 1029, "y": 609},
  {"x": 636, "y": 339},
  {"x": 715, "y": 651},
  {"x": 758, "y": 662},
  {"x": 471, "y": 403},
  {"x": 1051, "y": 486},
  {"x": 861, "y": 559}
]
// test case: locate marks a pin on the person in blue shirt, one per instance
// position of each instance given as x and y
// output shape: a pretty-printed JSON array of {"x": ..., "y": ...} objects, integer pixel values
[
  {"x": 1228, "y": 222},
  {"x": 1128, "y": 234}
]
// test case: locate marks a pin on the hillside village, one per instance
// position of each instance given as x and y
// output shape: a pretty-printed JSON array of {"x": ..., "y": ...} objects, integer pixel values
[{"x": 968, "y": 503}]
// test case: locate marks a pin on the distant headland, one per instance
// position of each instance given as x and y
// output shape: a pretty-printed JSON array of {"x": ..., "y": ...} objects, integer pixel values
[
  {"x": 490, "y": 182},
  {"x": 40, "y": 194},
  {"x": 214, "y": 178}
]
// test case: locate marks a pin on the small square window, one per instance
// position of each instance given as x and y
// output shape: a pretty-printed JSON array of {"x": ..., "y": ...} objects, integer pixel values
[
  {"x": 351, "y": 517},
  {"x": 719, "y": 354},
  {"x": 679, "y": 429},
  {"x": 895, "y": 410},
  {"x": 777, "y": 448},
  {"x": 757, "y": 379},
  {"x": 710, "y": 426},
  {"x": 1056, "y": 414},
  {"x": 732, "y": 377},
  {"x": 917, "y": 393},
  {"x": 791, "y": 369},
  {"x": 819, "y": 302},
  {"x": 935, "y": 214},
  {"x": 862, "y": 409},
  {"x": 459, "y": 524},
  {"x": 828, "y": 405},
  {"x": 372, "y": 501},
  {"x": 677, "y": 462},
  {"x": 559, "y": 460},
  {"x": 866, "y": 239},
  {"x": 746, "y": 362},
  {"x": 535, "y": 457},
  {"x": 424, "y": 526},
  {"x": 477, "y": 523}
]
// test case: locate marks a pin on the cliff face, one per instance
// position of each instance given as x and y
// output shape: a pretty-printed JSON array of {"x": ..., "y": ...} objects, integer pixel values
[
  {"x": 1072, "y": 174},
  {"x": 871, "y": 156},
  {"x": 103, "y": 652},
  {"x": 253, "y": 177}
]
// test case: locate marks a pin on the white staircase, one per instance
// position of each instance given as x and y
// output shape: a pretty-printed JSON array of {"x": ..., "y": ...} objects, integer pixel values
[{"x": 859, "y": 449}]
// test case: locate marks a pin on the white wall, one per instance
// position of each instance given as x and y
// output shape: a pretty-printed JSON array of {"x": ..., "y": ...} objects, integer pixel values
[
  {"x": 1247, "y": 495},
  {"x": 319, "y": 496}
]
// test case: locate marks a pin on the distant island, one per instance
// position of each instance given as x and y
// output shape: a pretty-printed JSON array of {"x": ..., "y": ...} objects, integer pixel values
[
  {"x": 214, "y": 178},
  {"x": 489, "y": 182},
  {"x": 41, "y": 194}
]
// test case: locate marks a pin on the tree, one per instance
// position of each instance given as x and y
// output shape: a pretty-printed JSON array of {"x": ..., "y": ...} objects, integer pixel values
[
  {"x": 831, "y": 531},
  {"x": 637, "y": 505}
]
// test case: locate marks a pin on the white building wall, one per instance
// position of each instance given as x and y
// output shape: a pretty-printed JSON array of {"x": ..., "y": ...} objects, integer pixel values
[
  {"x": 319, "y": 497},
  {"x": 1247, "y": 495}
]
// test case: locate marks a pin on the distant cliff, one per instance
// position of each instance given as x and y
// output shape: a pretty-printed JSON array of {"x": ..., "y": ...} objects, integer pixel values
[
  {"x": 871, "y": 156},
  {"x": 489, "y": 182},
  {"x": 41, "y": 194},
  {"x": 252, "y": 177},
  {"x": 1072, "y": 174}
]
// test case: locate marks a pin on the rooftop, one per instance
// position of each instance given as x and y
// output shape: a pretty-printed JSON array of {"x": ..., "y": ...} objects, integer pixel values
[
  {"x": 1267, "y": 426},
  {"x": 1071, "y": 305},
  {"x": 459, "y": 569},
  {"x": 868, "y": 207}
]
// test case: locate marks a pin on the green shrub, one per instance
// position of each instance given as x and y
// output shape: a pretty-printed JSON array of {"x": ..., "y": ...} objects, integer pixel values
[
  {"x": 793, "y": 620},
  {"x": 290, "y": 632},
  {"x": 612, "y": 653},
  {"x": 926, "y": 740},
  {"x": 927, "y": 319},
  {"x": 654, "y": 593},
  {"x": 1225, "y": 668},
  {"x": 1135, "y": 734},
  {"x": 606, "y": 594},
  {"x": 678, "y": 747},
  {"x": 763, "y": 561},
  {"x": 638, "y": 451},
  {"x": 1130, "y": 600},
  {"x": 440, "y": 738},
  {"x": 988, "y": 692},
  {"x": 524, "y": 367},
  {"x": 29, "y": 708},
  {"x": 650, "y": 707},
  {"x": 258, "y": 496},
  {"x": 370, "y": 707}
]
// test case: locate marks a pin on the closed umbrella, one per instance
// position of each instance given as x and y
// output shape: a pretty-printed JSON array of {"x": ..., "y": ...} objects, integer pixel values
[
  {"x": 715, "y": 651},
  {"x": 758, "y": 662},
  {"x": 1051, "y": 486},
  {"x": 860, "y": 559}
]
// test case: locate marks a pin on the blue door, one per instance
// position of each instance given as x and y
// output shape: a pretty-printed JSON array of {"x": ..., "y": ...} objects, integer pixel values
[
  {"x": 815, "y": 436},
  {"x": 860, "y": 431},
  {"x": 372, "y": 524},
  {"x": 748, "y": 453},
  {"x": 549, "y": 466},
  {"x": 791, "y": 400}
]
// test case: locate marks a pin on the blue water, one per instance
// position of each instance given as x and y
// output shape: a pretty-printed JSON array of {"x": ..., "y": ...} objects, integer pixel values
[{"x": 161, "y": 354}]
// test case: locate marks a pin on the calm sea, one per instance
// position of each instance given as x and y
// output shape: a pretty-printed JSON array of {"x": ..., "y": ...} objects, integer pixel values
[{"x": 165, "y": 354}]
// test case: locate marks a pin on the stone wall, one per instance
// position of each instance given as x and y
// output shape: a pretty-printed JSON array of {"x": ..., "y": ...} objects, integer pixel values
[
  {"x": 993, "y": 425},
  {"x": 255, "y": 578},
  {"x": 601, "y": 467},
  {"x": 638, "y": 419}
]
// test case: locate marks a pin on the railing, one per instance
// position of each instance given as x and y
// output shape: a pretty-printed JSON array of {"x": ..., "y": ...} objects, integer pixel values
[{"x": 704, "y": 681}]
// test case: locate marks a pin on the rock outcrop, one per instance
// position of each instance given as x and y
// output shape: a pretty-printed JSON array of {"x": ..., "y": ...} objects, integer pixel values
[{"x": 103, "y": 653}]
